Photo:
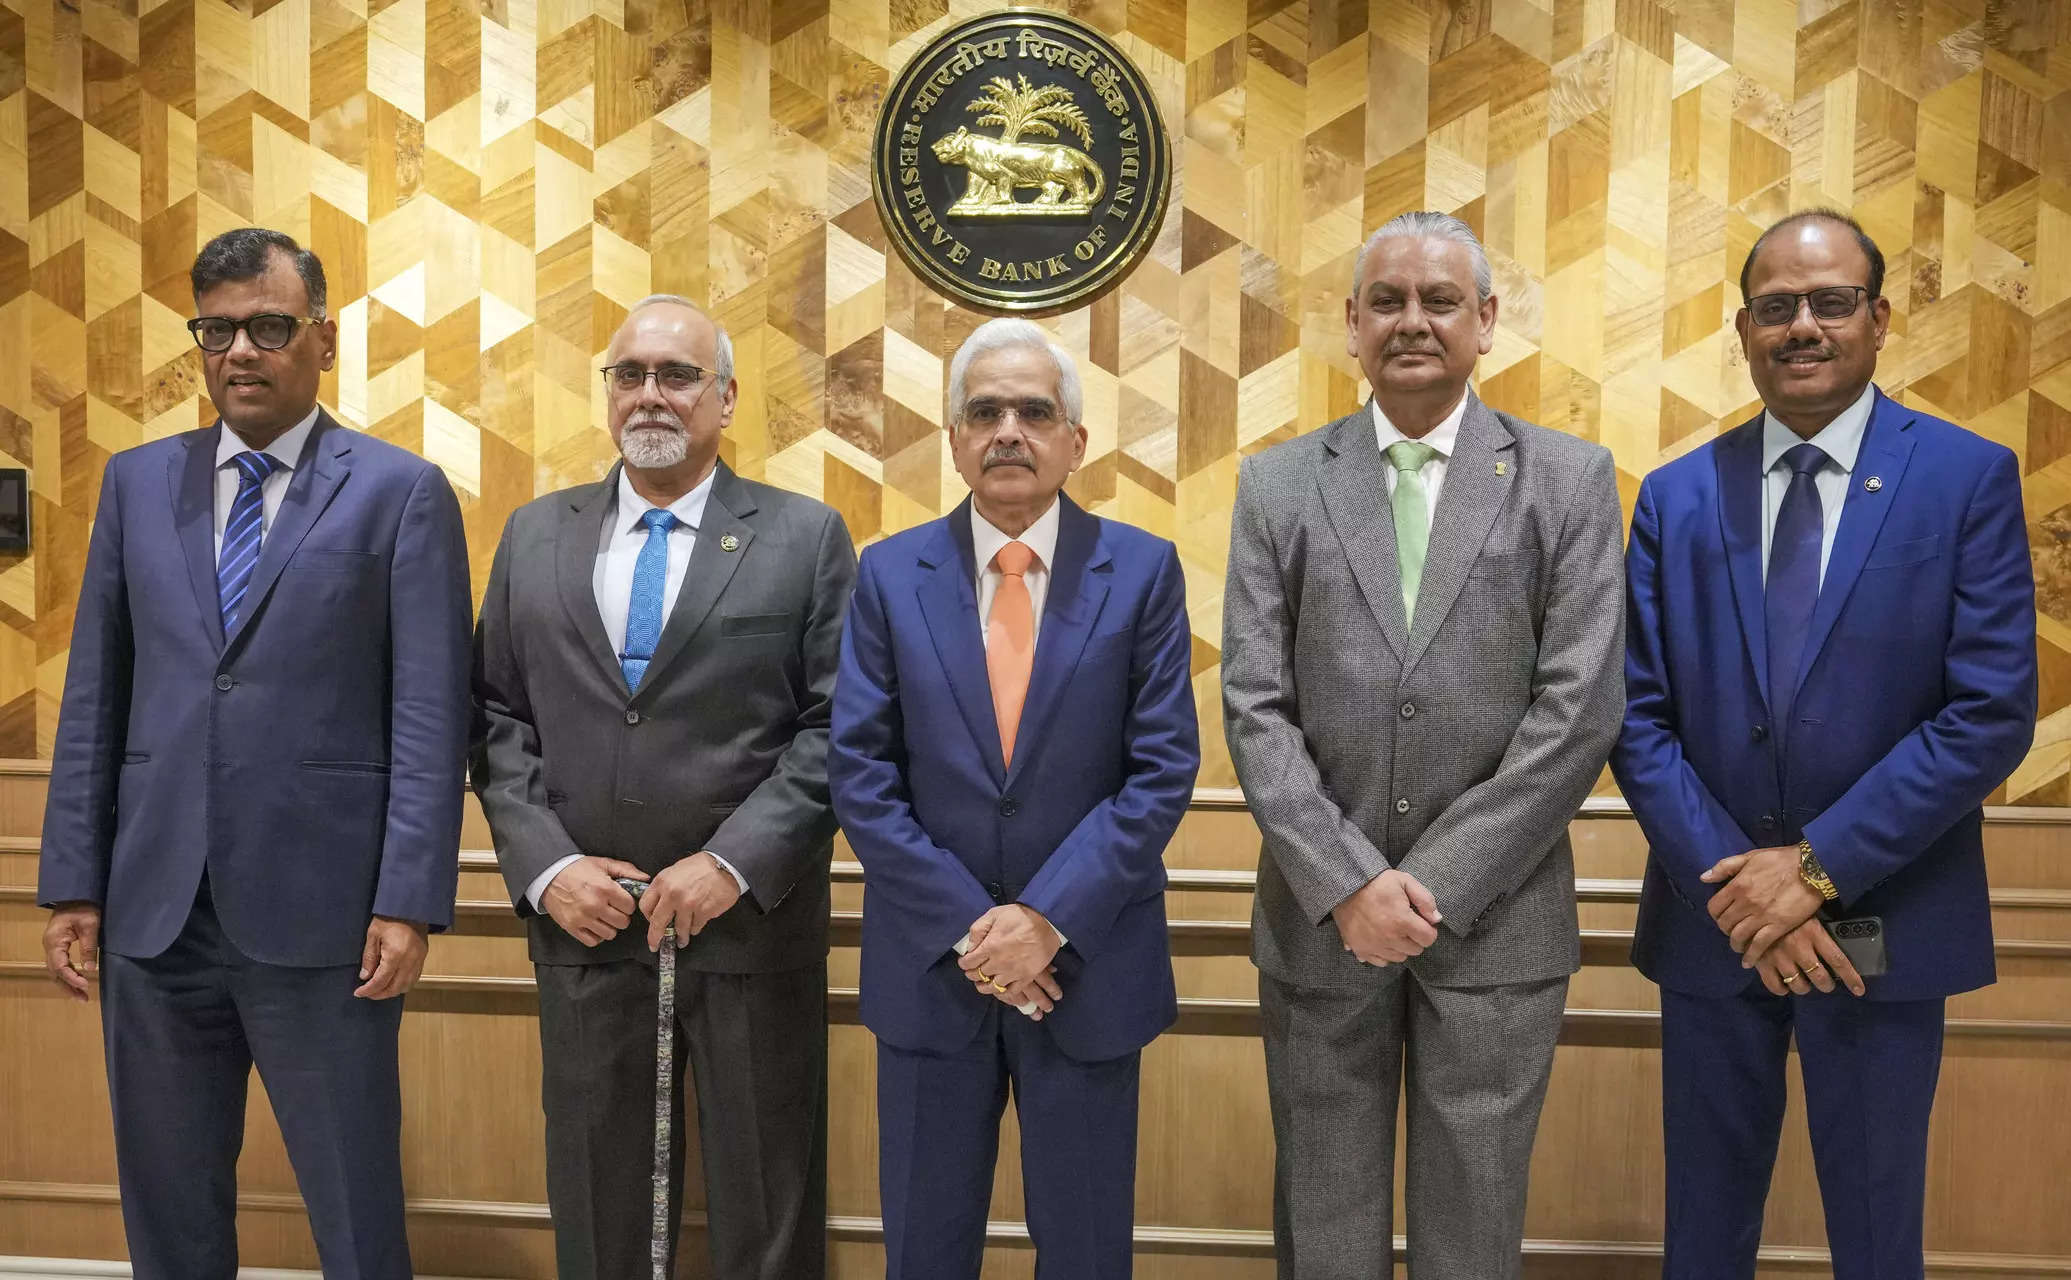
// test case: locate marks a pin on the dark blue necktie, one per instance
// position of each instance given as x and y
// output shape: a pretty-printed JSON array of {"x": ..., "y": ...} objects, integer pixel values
[
  {"x": 644, "y": 611},
  {"x": 1792, "y": 589},
  {"x": 242, "y": 533}
]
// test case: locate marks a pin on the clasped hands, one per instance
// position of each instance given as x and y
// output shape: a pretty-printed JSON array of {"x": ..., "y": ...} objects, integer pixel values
[
  {"x": 1767, "y": 912},
  {"x": 1388, "y": 919},
  {"x": 585, "y": 898},
  {"x": 1009, "y": 958}
]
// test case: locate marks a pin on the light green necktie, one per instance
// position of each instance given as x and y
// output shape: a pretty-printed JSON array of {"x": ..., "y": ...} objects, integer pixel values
[{"x": 1412, "y": 517}]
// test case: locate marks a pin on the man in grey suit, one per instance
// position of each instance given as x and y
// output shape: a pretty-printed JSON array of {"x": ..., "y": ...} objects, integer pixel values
[
  {"x": 690, "y": 753},
  {"x": 1421, "y": 680}
]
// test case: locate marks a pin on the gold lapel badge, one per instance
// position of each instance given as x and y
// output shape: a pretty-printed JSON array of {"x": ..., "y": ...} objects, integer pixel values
[
  {"x": 1873, "y": 484},
  {"x": 1502, "y": 468},
  {"x": 727, "y": 542}
]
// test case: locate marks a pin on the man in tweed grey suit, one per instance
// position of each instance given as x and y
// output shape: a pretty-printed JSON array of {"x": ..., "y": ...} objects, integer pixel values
[{"x": 1421, "y": 680}]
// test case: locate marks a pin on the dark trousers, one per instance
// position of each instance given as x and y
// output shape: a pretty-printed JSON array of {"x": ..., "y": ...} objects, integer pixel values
[
  {"x": 938, "y": 1118},
  {"x": 1471, "y": 1064},
  {"x": 1870, "y": 1069},
  {"x": 183, "y": 1030},
  {"x": 756, "y": 1048}
]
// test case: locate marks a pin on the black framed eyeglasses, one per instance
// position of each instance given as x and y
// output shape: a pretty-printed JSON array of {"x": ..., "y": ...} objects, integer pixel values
[
  {"x": 269, "y": 330},
  {"x": 1835, "y": 302},
  {"x": 627, "y": 379},
  {"x": 1034, "y": 413}
]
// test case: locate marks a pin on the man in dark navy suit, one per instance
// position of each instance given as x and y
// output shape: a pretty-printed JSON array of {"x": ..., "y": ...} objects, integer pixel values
[
  {"x": 1013, "y": 745},
  {"x": 254, "y": 804},
  {"x": 1830, "y": 665}
]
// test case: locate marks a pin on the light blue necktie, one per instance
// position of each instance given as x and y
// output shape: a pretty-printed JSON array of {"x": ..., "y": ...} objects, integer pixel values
[
  {"x": 242, "y": 533},
  {"x": 644, "y": 613}
]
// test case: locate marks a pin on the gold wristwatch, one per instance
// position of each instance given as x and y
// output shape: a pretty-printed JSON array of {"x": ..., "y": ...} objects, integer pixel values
[{"x": 1813, "y": 874}]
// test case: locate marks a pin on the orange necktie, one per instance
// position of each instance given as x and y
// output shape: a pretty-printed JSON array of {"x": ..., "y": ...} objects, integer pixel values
[{"x": 1010, "y": 642}]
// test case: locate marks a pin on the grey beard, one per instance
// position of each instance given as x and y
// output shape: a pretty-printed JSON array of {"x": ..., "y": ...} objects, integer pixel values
[{"x": 652, "y": 448}]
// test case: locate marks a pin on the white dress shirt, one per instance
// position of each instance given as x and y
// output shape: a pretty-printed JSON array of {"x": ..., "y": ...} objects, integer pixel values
[
  {"x": 1841, "y": 441},
  {"x": 620, "y": 539},
  {"x": 986, "y": 541},
  {"x": 1443, "y": 437},
  {"x": 286, "y": 449}
]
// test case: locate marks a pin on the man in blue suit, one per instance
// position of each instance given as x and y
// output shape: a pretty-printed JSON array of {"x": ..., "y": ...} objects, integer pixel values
[
  {"x": 254, "y": 806},
  {"x": 1831, "y": 664},
  {"x": 1013, "y": 746}
]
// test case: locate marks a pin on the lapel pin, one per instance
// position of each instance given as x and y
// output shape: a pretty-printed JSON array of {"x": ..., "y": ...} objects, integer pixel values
[
  {"x": 1873, "y": 484},
  {"x": 1502, "y": 468},
  {"x": 727, "y": 542}
]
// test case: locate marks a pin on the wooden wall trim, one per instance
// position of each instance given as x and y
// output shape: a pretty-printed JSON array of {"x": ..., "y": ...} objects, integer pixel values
[
  {"x": 1231, "y": 799},
  {"x": 1198, "y": 1241},
  {"x": 1198, "y": 1015}
]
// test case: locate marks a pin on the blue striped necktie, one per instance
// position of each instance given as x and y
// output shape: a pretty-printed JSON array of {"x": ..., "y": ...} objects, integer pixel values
[
  {"x": 243, "y": 532},
  {"x": 644, "y": 611}
]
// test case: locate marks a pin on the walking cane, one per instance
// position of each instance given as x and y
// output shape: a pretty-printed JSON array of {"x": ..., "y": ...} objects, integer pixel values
[{"x": 664, "y": 1090}]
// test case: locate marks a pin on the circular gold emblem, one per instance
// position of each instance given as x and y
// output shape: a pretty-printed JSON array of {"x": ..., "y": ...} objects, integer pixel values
[{"x": 1020, "y": 162}]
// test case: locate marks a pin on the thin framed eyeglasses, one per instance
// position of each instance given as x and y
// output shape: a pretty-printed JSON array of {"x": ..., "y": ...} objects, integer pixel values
[
  {"x": 269, "y": 330},
  {"x": 627, "y": 378},
  {"x": 1835, "y": 302},
  {"x": 1034, "y": 413}
]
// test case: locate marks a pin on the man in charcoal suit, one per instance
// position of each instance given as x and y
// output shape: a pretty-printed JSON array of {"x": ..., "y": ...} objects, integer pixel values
[
  {"x": 652, "y": 675},
  {"x": 255, "y": 794},
  {"x": 1420, "y": 682}
]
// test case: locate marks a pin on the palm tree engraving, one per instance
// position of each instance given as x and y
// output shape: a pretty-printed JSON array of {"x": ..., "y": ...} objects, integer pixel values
[{"x": 1067, "y": 179}]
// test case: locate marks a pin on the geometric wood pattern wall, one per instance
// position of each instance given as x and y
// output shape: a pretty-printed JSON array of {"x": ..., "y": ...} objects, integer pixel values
[{"x": 491, "y": 182}]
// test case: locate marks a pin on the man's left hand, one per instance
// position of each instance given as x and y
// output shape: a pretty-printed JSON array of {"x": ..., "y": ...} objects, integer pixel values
[
  {"x": 1764, "y": 898},
  {"x": 1012, "y": 944},
  {"x": 689, "y": 895},
  {"x": 392, "y": 958}
]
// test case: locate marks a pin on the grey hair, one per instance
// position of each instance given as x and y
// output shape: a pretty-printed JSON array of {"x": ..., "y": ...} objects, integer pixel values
[
  {"x": 1003, "y": 334},
  {"x": 1426, "y": 224},
  {"x": 722, "y": 344}
]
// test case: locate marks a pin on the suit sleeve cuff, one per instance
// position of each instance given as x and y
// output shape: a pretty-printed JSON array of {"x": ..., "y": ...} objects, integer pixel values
[{"x": 537, "y": 889}]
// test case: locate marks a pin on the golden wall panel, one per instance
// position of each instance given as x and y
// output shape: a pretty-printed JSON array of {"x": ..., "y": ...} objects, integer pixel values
[{"x": 491, "y": 183}]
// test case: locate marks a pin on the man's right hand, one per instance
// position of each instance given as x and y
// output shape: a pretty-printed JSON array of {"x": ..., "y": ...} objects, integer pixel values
[
  {"x": 1388, "y": 919},
  {"x": 585, "y": 899},
  {"x": 74, "y": 922}
]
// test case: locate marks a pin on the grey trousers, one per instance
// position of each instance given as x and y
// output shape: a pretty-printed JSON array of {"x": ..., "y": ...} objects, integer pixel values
[
  {"x": 756, "y": 1046},
  {"x": 1474, "y": 1062}
]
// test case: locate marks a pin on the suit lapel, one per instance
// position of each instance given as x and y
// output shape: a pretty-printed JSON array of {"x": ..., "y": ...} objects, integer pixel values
[
  {"x": 326, "y": 462},
  {"x": 1886, "y": 448},
  {"x": 575, "y": 569},
  {"x": 1468, "y": 501},
  {"x": 949, "y": 601},
  {"x": 1078, "y": 590},
  {"x": 1355, "y": 494},
  {"x": 192, "y": 476},
  {"x": 711, "y": 567},
  {"x": 1738, "y": 461}
]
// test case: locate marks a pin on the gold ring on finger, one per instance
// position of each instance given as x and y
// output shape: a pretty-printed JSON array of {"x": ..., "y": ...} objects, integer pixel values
[
  {"x": 1791, "y": 977},
  {"x": 997, "y": 987},
  {"x": 983, "y": 976},
  {"x": 1815, "y": 968}
]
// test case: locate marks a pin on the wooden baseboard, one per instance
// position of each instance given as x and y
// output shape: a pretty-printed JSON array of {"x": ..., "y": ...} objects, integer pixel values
[{"x": 1221, "y": 1242}]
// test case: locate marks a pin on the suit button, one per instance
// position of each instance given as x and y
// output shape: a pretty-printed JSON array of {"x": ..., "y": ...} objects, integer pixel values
[
  {"x": 632, "y": 717},
  {"x": 1761, "y": 732},
  {"x": 1402, "y": 806},
  {"x": 1009, "y": 807},
  {"x": 1409, "y": 710},
  {"x": 1768, "y": 822},
  {"x": 997, "y": 890},
  {"x": 224, "y": 683}
]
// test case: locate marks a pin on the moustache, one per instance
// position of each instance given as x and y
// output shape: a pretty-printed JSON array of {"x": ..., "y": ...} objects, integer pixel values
[
  {"x": 1411, "y": 351},
  {"x": 658, "y": 421},
  {"x": 1009, "y": 458},
  {"x": 1818, "y": 349}
]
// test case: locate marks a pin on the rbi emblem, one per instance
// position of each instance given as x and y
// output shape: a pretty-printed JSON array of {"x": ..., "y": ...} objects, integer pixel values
[{"x": 1020, "y": 163}]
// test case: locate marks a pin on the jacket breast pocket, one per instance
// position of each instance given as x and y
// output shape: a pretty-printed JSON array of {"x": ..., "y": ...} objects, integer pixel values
[
  {"x": 310, "y": 560},
  {"x": 755, "y": 624},
  {"x": 1899, "y": 554}
]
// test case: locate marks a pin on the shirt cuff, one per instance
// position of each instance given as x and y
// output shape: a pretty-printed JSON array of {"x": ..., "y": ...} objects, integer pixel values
[
  {"x": 1062, "y": 941},
  {"x": 537, "y": 889},
  {"x": 740, "y": 881}
]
